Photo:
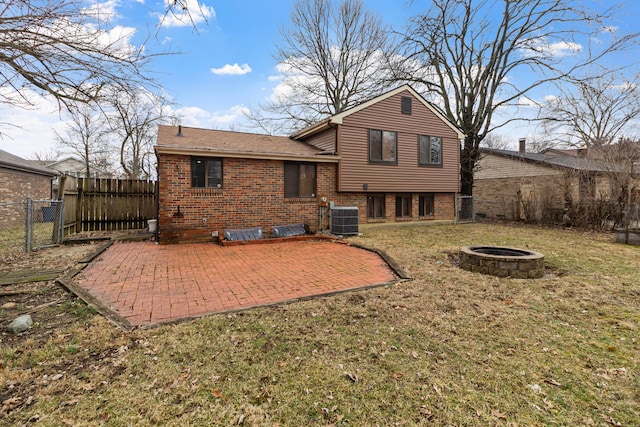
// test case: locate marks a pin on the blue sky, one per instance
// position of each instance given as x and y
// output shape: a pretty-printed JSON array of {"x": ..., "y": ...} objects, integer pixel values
[{"x": 224, "y": 67}]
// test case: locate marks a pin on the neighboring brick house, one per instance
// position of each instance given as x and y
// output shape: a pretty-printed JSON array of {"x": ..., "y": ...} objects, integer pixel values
[
  {"x": 393, "y": 157},
  {"x": 19, "y": 179},
  {"x": 521, "y": 185}
]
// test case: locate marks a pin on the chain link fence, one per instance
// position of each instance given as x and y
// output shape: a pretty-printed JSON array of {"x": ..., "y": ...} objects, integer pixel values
[
  {"x": 465, "y": 211},
  {"x": 29, "y": 225}
]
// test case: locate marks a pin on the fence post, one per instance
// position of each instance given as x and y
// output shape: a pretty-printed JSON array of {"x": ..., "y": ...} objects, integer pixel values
[
  {"x": 28, "y": 235},
  {"x": 473, "y": 210},
  {"x": 456, "y": 208},
  {"x": 58, "y": 223}
]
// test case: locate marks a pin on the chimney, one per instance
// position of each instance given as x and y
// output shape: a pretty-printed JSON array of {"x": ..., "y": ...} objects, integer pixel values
[
  {"x": 582, "y": 152},
  {"x": 179, "y": 130},
  {"x": 522, "y": 148}
]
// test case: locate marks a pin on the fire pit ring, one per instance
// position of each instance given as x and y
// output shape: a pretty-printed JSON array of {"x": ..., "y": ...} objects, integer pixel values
[{"x": 502, "y": 261}]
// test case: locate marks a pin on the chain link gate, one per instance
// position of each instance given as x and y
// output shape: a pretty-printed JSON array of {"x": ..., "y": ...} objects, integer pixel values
[
  {"x": 44, "y": 223},
  {"x": 465, "y": 209}
]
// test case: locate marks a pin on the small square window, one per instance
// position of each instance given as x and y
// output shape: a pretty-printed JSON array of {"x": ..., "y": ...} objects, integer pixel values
[
  {"x": 206, "y": 172},
  {"x": 430, "y": 150},
  {"x": 299, "y": 180},
  {"x": 406, "y": 105}
]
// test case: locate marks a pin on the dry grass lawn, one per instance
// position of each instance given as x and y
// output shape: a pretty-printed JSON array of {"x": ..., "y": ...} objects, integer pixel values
[{"x": 447, "y": 348}]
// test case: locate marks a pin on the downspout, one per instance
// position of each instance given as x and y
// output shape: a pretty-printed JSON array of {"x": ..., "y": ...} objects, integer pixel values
[
  {"x": 156, "y": 238},
  {"x": 336, "y": 150}
]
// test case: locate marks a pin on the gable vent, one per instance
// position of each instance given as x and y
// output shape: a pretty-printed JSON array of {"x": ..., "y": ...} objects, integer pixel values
[
  {"x": 406, "y": 105},
  {"x": 344, "y": 220}
]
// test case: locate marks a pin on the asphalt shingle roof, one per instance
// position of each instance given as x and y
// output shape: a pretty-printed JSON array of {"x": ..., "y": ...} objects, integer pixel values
[
  {"x": 11, "y": 161},
  {"x": 553, "y": 159},
  {"x": 233, "y": 143}
]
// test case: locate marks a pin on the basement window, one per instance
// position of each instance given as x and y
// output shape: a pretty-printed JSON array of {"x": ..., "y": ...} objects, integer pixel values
[
  {"x": 375, "y": 206},
  {"x": 426, "y": 205},
  {"x": 403, "y": 206},
  {"x": 206, "y": 172}
]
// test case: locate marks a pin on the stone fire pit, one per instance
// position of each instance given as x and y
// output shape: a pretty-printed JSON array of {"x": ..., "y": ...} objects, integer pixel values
[{"x": 502, "y": 262}]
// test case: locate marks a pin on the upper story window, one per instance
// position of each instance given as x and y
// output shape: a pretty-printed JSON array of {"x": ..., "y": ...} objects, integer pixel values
[
  {"x": 383, "y": 146},
  {"x": 206, "y": 172},
  {"x": 299, "y": 179},
  {"x": 430, "y": 150},
  {"x": 406, "y": 105}
]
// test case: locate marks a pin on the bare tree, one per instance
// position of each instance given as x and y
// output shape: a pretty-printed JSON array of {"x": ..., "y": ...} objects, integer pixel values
[
  {"x": 191, "y": 12},
  {"x": 133, "y": 116},
  {"x": 86, "y": 135},
  {"x": 330, "y": 60},
  {"x": 496, "y": 141},
  {"x": 50, "y": 155},
  {"x": 61, "y": 48},
  {"x": 621, "y": 160},
  {"x": 594, "y": 111},
  {"x": 469, "y": 55}
]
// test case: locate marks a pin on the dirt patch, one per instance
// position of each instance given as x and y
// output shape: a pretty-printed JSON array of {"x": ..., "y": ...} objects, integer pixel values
[{"x": 49, "y": 305}]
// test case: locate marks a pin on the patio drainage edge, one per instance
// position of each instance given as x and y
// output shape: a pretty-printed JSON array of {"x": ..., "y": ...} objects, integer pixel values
[
  {"x": 395, "y": 267},
  {"x": 66, "y": 281},
  {"x": 272, "y": 304}
]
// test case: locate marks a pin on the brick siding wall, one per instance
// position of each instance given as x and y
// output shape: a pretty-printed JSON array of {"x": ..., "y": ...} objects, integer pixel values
[
  {"x": 15, "y": 187},
  {"x": 252, "y": 195},
  {"x": 499, "y": 198}
]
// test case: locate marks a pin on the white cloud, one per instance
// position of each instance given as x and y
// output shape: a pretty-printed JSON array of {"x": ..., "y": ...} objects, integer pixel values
[
  {"x": 235, "y": 70},
  {"x": 186, "y": 13},
  {"x": 118, "y": 39},
  {"x": 24, "y": 132},
  {"x": 103, "y": 11},
  {"x": 541, "y": 47},
  {"x": 27, "y": 131},
  {"x": 524, "y": 101},
  {"x": 200, "y": 118}
]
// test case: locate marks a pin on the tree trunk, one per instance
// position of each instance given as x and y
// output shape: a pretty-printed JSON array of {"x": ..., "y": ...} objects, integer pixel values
[{"x": 468, "y": 158}]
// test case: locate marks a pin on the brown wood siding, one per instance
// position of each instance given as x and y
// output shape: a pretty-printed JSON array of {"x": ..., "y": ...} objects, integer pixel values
[
  {"x": 325, "y": 141},
  {"x": 407, "y": 176}
]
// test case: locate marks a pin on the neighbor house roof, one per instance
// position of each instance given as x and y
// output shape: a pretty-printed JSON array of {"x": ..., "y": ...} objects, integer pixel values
[
  {"x": 219, "y": 143},
  {"x": 13, "y": 162},
  {"x": 68, "y": 160},
  {"x": 552, "y": 159},
  {"x": 337, "y": 119}
]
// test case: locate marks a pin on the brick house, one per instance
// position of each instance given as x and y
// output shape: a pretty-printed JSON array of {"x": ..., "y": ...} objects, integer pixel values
[
  {"x": 519, "y": 185},
  {"x": 19, "y": 179},
  {"x": 393, "y": 157}
]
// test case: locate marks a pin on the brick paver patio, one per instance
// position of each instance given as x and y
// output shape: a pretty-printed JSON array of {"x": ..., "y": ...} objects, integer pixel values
[{"x": 148, "y": 283}]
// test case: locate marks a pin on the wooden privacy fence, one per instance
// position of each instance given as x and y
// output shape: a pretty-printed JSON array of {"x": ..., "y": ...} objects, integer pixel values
[{"x": 93, "y": 204}]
